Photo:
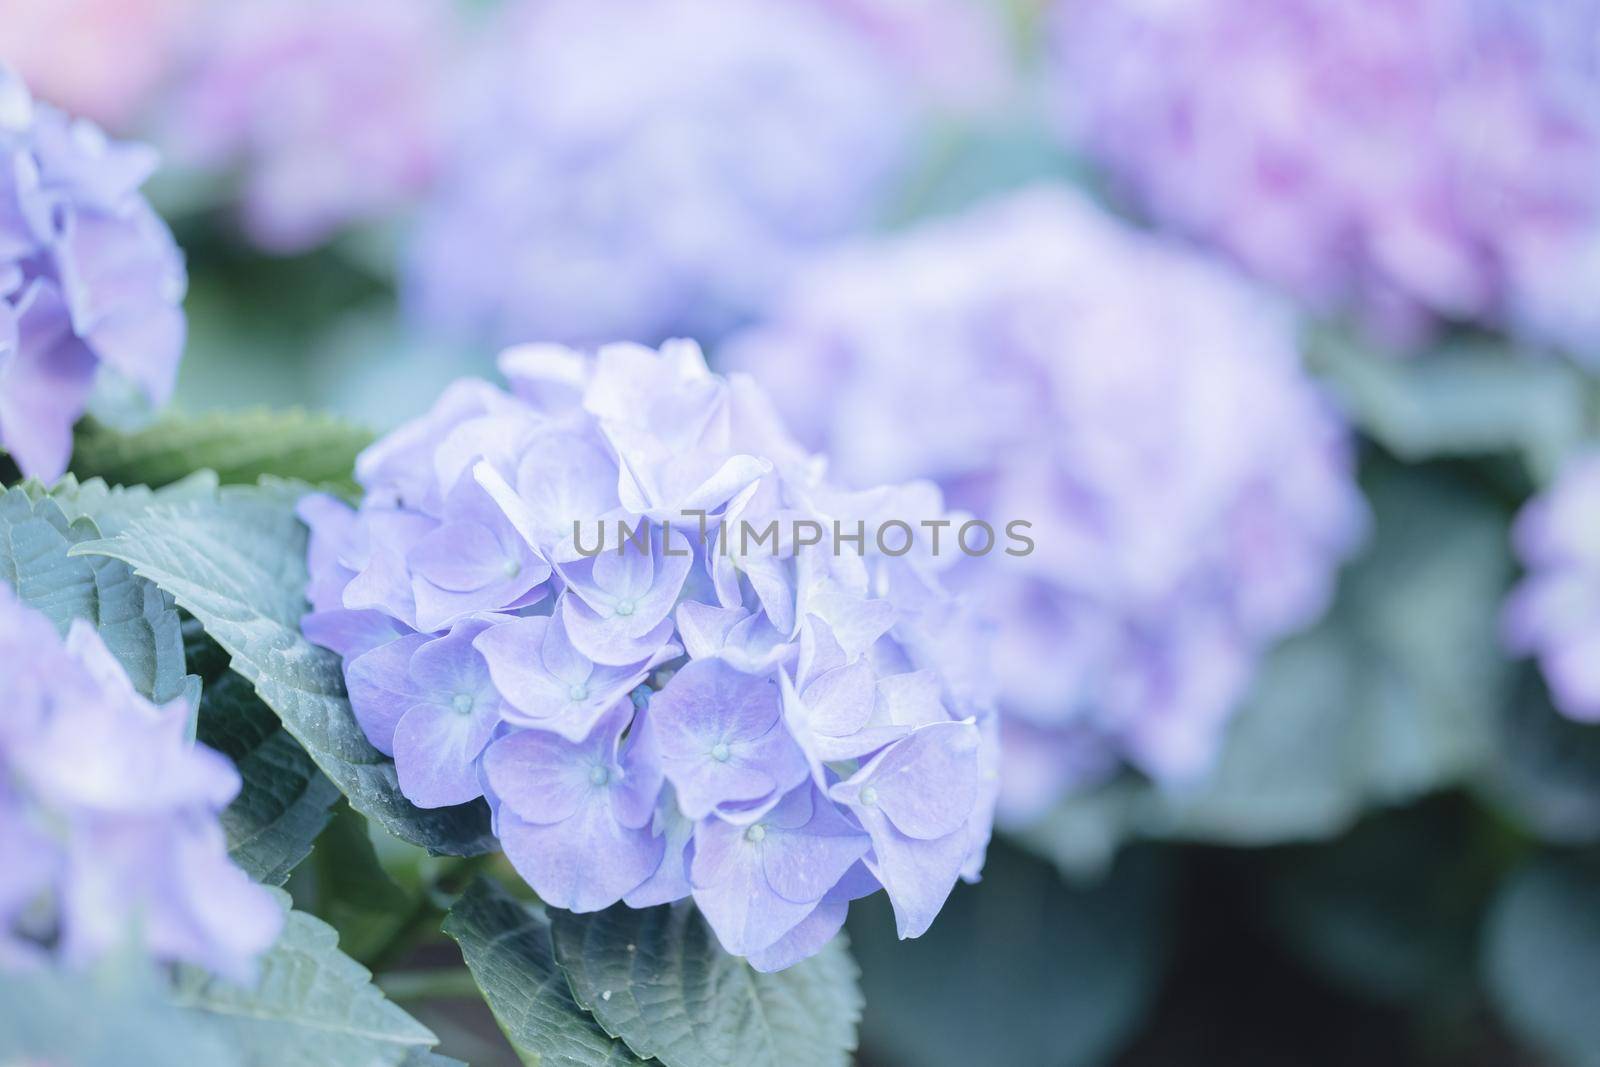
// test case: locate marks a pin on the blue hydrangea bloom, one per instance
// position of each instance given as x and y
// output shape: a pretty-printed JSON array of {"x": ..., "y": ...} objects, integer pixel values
[
  {"x": 1189, "y": 491},
  {"x": 90, "y": 278},
  {"x": 108, "y": 815},
  {"x": 654, "y": 706},
  {"x": 640, "y": 169},
  {"x": 1554, "y": 613}
]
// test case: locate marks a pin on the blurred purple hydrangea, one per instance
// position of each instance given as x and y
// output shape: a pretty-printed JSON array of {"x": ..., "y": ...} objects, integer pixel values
[
  {"x": 955, "y": 53},
  {"x": 1411, "y": 161},
  {"x": 1555, "y": 613},
  {"x": 108, "y": 815},
  {"x": 643, "y": 168},
  {"x": 718, "y": 700},
  {"x": 90, "y": 279},
  {"x": 1189, "y": 491},
  {"x": 328, "y": 112}
]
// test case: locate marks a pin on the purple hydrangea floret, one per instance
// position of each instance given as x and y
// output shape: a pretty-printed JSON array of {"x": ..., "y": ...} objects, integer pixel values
[
  {"x": 1554, "y": 614},
  {"x": 1409, "y": 160},
  {"x": 637, "y": 169},
  {"x": 90, "y": 279},
  {"x": 549, "y": 597},
  {"x": 108, "y": 815},
  {"x": 1190, "y": 493}
]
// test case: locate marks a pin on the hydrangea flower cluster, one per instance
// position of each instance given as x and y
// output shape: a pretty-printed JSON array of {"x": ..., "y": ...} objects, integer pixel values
[
  {"x": 108, "y": 815},
  {"x": 773, "y": 727},
  {"x": 1415, "y": 161},
  {"x": 90, "y": 278},
  {"x": 667, "y": 197},
  {"x": 1190, "y": 492},
  {"x": 1555, "y": 613},
  {"x": 329, "y": 111}
]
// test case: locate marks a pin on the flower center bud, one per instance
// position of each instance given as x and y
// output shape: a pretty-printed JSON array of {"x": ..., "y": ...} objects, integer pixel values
[
  {"x": 578, "y": 692},
  {"x": 624, "y": 608},
  {"x": 719, "y": 752},
  {"x": 869, "y": 796},
  {"x": 756, "y": 833},
  {"x": 511, "y": 568},
  {"x": 462, "y": 702},
  {"x": 599, "y": 776}
]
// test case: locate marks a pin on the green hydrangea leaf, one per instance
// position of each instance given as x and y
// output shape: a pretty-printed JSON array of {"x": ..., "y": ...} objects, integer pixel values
[
  {"x": 240, "y": 446},
  {"x": 1020, "y": 968},
  {"x": 1542, "y": 956},
  {"x": 313, "y": 1006},
  {"x": 656, "y": 978},
  {"x": 284, "y": 801},
  {"x": 135, "y": 619},
  {"x": 507, "y": 946},
  {"x": 236, "y": 562}
]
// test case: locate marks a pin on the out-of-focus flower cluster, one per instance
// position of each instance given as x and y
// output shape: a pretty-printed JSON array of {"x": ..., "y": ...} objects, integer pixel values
[
  {"x": 1189, "y": 491},
  {"x": 108, "y": 815},
  {"x": 329, "y": 112},
  {"x": 90, "y": 278},
  {"x": 772, "y": 726},
  {"x": 102, "y": 59},
  {"x": 953, "y": 52},
  {"x": 1555, "y": 613},
  {"x": 668, "y": 195},
  {"x": 1411, "y": 160}
]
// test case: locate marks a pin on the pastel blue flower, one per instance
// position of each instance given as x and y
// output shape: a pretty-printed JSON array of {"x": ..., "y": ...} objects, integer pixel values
[{"x": 540, "y": 600}]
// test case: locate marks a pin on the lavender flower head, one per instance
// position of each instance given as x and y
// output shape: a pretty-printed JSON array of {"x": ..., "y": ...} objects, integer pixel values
[
  {"x": 108, "y": 815},
  {"x": 328, "y": 111},
  {"x": 748, "y": 711},
  {"x": 640, "y": 168},
  {"x": 1409, "y": 160},
  {"x": 90, "y": 279},
  {"x": 1190, "y": 493},
  {"x": 1555, "y": 613}
]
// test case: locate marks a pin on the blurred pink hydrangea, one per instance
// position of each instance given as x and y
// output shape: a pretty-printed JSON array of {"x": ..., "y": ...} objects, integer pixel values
[
  {"x": 1190, "y": 492},
  {"x": 326, "y": 110},
  {"x": 100, "y": 59},
  {"x": 1411, "y": 161}
]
